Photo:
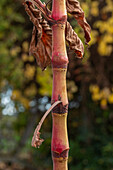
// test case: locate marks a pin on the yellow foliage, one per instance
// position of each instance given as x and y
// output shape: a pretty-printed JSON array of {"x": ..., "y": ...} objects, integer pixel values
[
  {"x": 31, "y": 58},
  {"x": 103, "y": 103},
  {"x": 24, "y": 57},
  {"x": 69, "y": 15},
  {"x": 29, "y": 72},
  {"x": 104, "y": 49},
  {"x": 94, "y": 8},
  {"x": 44, "y": 78},
  {"x": 14, "y": 51},
  {"x": 108, "y": 7},
  {"x": 96, "y": 96},
  {"x": 105, "y": 26},
  {"x": 94, "y": 35},
  {"x": 25, "y": 46},
  {"x": 16, "y": 95},
  {"x": 108, "y": 38},
  {"x": 25, "y": 102},
  {"x": 85, "y": 8},
  {"x": 105, "y": 93},
  {"x": 94, "y": 89},
  {"x": 110, "y": 29},
  {"x": 110, "y": 99},
  {"x": 31, "y": 91}
]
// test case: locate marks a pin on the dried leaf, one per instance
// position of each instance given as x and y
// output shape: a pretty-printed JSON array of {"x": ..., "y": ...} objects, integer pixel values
[
  {"x": 36, "y": 140},
  {"x": 41, "y": 42},
  {"x": 73, "y": 7},
  {"x": 74, "y": 41}
]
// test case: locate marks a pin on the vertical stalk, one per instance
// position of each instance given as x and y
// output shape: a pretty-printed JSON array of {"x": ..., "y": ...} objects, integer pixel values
[
  {"x": 60, "y": 145},
  {"x": 41, "y": 43}
]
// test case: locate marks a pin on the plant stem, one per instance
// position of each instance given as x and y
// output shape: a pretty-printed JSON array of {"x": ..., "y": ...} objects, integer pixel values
[{"x": 60, "y": 145}]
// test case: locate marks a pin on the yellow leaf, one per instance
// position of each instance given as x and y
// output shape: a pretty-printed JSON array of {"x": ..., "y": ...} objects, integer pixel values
[
  {"x": 108, "y": 7},
  {"x": 94, "y": 89},
  {"x": 94, "y": 35},
  {"x": 110, "y": 99},
  {"x": 16, "y": 94},
  {"x": 104, "y": 49},
  {"x": 105, "y": 25},
  {"x": 103, "y": 103},
  {"x": 31, "y": 91},
  {"x": 85, "y": 8},
  {"x": 105, "y": 93},
  {"x": 24, "y": 57},
  {"x": 44, "y": 78},
  {"x": 25, "y": 46},
  {"x": 25, "y": 102},
  {"x": 14, "y": 51},
  {"x": 94, "y": 8},
  {"x": 31, "y": 58},
  {"x": 29, "y": 71},
  {"x": 96, "y": 97}
]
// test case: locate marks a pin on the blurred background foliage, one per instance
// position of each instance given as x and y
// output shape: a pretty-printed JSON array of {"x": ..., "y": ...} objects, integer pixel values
[{"x": 25, "y": 93}]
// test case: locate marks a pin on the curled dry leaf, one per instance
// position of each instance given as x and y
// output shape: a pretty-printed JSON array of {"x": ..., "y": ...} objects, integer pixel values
[
  {"x": 36, "y": 140},
  {"x": 74, "y": 41},
  {"x": 73, "y": 7},
  {"x": 41, "y": 42}
]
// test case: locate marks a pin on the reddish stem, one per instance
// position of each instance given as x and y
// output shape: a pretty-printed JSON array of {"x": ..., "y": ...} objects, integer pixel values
[{"x": 60, "y": 145}]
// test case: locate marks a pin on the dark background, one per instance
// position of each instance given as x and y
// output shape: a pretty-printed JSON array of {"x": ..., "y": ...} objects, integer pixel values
[{"x": 25, "y": 93}]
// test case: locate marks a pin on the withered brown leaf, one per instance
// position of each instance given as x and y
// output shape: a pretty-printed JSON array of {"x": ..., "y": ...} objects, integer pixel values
[
  {"x": 36, "y": 140},
  {"x": 41, "y": 42},
  {"x": 73, "y": 7},
  {"x": 74, "y": 41}
]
